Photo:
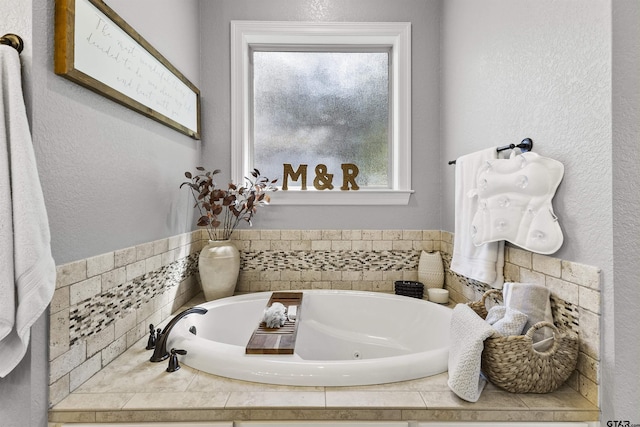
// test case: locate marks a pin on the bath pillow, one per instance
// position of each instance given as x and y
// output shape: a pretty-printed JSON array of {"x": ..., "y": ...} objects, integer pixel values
[{"x": 514, "y": 203}]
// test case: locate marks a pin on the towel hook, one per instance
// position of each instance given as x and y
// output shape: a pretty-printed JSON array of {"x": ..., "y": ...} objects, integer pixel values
[{"x": 13, "y": 40}]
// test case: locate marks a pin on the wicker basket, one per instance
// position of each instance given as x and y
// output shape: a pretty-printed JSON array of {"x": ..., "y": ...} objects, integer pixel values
[
  {"x": 409, "y": 288},
  {"x": 514, "y": 365}
]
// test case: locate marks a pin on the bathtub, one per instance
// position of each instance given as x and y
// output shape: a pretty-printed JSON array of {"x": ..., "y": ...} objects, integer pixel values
[{"x": 344, "y": 338}]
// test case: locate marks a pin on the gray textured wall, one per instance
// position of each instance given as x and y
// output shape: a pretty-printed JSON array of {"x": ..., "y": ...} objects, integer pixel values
[
  {"x": 542, "y": 69},
  {"x": 110, "y": 176},
  {"x": 423, "y": 211},
  {"x": 625, "y": 384}
]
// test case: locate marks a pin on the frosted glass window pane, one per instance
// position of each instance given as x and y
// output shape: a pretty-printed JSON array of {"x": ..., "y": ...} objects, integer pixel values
[{"x": 322, "y": 108}]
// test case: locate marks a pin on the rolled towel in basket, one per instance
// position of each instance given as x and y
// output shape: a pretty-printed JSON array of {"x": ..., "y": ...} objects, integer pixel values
[
  {"x": 506, "y": 320},
  {"x": 534, "y": 301}
]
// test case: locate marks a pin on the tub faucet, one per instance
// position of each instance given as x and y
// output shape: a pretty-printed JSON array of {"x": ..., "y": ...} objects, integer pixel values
[{"x": 160, "y": 352}]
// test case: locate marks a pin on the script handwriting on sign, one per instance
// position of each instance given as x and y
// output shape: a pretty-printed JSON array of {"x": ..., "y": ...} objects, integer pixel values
[{"x": 107, "y": 53}]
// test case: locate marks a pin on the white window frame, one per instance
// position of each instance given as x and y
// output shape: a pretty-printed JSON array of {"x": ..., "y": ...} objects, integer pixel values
[{"x": 397, "y": 35}]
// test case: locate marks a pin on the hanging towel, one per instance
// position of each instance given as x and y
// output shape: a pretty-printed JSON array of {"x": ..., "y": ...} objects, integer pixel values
[
  {"x": 28, "y": 272},
  {"x": 514, "y": 203},
  {"x": 534, "y": 301},
  {"x": 486, "y": 262},
  {"x": 467, "y": 334}
]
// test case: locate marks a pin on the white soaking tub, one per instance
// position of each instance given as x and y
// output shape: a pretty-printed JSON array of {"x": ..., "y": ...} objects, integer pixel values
[{"x": 344, "y": 338}]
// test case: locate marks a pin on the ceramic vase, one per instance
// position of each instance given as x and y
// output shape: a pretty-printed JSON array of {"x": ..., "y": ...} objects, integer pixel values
[
  {"x": 431, "y": 270},
  {"x": 219, "y": 266}
]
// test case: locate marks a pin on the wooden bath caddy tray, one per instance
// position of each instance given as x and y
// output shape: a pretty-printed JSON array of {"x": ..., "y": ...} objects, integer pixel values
[{"x": 277, "y": 340}]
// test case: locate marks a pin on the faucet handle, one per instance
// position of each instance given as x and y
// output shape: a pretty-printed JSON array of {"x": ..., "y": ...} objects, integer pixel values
[
  {"x": 174, "y": 365},
  {"x": 151, "y": 342}
]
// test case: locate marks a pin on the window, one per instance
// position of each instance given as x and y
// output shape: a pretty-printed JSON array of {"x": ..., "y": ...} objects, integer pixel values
[{"x": 330, "y": 94}]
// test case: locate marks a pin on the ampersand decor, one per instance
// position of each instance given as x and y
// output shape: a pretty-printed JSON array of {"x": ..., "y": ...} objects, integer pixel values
[{"x": 323, "y": 180}]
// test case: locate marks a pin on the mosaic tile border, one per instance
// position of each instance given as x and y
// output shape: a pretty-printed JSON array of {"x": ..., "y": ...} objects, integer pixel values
[
  {"x": 329, "y": 260},
  {"x": 134, "y": 280},
  {"x": 92, "y": 315},
  {"x": 104, "y": 304}
]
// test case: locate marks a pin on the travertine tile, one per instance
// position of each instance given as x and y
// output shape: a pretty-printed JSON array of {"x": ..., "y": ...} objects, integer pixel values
[
  {"x": 152, "y": 263},
  {"x": 183, "y": 400},
  {"x": 271, "y": 399},
  {"x": 581, "y": 274},
  {"x": 99, "y": 340},
  {"x": 371, "y": 234},
  {"x": 529, "y": 276},
  {"x": 402, "y": 245},
  {"x": 352, "y": 235},
  {"x": 547, "y": 265},
  {"x": 100, "y": 264},
  {"x": 59, "y": 390},
  {"x": 113, "y": 278},
  {"x": 72, "y": 272},
  {"x": 84, "y": 290},
  {"x": 160, "y": 246},
  {"x": 113, "y": 350},
  {"x": 393, "y": 235},
  {"x": 124, "y": 257},
  {"x": 60, "y": 300},
  {"x": 134, "y": 270},
  {"x": 382, "y": 245},
  {"x": 321, "y": 245},
  {"x": 589, "y": 299},
  {"x": 270, "y": 234},
  {"x": 340, "y": 245},
  {"x": 374, "y": 399},
  {"x": 562, "y": 289},
  {"x": 554, "y": 401},
  {"x": 66, "y": 362},
  {"x": 487, "y": 400},
  {"x": 518, "y": 257},
  {"x": 311, "y": 234},
  {"x": 58, "y": 333},
  {"x": 85, "y": 371},
  {"x": 290, "y": 234},
  {"x": 589, "y": 333},
  {"x": 412, "y": 234},
  {"x": 94, "y": 402}
]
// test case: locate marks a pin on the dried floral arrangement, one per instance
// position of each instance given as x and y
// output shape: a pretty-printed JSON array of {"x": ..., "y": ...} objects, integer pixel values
[{"x": 221, "y": 210}]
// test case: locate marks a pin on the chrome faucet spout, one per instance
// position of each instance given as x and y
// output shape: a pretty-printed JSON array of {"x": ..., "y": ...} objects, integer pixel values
[{"x": 160, "y": 352}]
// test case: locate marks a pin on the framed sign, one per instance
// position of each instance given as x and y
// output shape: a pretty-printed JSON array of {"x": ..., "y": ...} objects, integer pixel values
[{"x": 96, "y": 48}]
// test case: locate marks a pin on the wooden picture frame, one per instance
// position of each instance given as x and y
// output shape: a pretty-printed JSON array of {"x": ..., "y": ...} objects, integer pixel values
[{"x": 96, "y": 48}]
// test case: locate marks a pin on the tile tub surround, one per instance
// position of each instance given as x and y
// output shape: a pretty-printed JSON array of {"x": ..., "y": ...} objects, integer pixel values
[
  {"x": 104, "y": 304},
  {"x": 132, "y": 389},
  {"x": 280, "y": 260}
]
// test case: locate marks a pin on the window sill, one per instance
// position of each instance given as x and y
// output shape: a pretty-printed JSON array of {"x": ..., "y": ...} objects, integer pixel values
[{"x": 337, "y": 197}]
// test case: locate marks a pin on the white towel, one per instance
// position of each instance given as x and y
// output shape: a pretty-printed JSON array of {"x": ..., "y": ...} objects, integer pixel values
[
  {"x": 506, "y": 321},
  {"x": 467, "y": 334},
  {"x": 28, "y": 272},
  {"x": 532, "y": 300},
  {"x": 485, "y": 262}
]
